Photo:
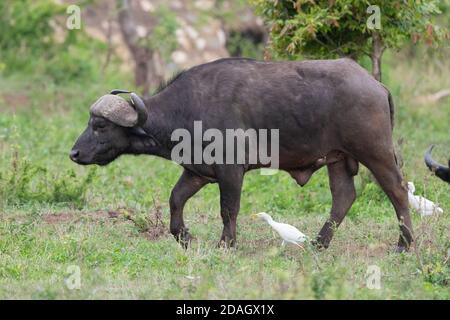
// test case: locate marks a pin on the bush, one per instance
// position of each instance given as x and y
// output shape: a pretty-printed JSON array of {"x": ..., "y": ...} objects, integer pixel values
[
  {"x": 26, "y": 183},
  {"x": 28, "y": 24},
  {"x": 70, "y": 64},
  {"x": 29, "y": 44}
]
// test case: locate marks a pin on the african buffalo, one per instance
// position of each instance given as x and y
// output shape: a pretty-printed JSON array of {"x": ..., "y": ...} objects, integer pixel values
[
  {"x": 328, "y": 112},
  {"x": 439, "y": 170}
]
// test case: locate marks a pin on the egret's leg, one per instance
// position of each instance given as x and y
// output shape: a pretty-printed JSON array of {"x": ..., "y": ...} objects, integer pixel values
[
  {"x": 188, "y": 185},
  {"x": 230, "y": 184},
  {"x": 283, "y": 243},
  {"x": 299, "y": 245},
  {"x": 343, "y": 194}
]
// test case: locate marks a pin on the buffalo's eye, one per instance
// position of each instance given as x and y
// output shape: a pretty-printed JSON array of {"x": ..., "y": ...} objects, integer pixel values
[{"x": 100, "y": 125}]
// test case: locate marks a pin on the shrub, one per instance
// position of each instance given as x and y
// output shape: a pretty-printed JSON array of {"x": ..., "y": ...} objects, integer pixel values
[{"x": 26, "y": 182}]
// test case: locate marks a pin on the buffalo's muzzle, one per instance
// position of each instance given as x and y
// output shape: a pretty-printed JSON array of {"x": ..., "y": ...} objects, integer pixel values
[{"x": 74, "y": 155}]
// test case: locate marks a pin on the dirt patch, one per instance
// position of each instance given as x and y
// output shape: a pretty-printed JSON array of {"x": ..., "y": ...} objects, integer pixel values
[
  {"x": 13, "y": 102},
  {"x": 113, "y": 214},
  {"x": 64, "y": 217},
  {"x": 150, "y": 225},
  {"x": 377, "y": 250},
  {"x": 56, "y": 218}
]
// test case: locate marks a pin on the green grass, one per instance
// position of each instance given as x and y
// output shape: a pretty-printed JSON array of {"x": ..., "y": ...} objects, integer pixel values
[{"x": 54, "y": 214}]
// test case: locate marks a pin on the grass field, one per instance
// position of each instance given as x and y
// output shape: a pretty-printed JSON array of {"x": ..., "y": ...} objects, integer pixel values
[{"x": 112, "y": 222}]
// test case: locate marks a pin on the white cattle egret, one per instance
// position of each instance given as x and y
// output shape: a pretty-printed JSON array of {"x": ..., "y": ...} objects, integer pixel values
[
  {"x": 288, "y": 233},
  {"x": 422, "y": 205}
]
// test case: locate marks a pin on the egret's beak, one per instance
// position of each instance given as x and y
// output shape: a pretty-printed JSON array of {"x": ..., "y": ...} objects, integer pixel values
[{"x": 254, "y": 216}]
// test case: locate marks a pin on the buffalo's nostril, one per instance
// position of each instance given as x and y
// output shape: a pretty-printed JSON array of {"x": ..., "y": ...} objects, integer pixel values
[{"x": 74, "y": 154}]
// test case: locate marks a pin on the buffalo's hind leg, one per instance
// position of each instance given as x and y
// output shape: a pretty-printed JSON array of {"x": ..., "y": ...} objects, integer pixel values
[
  {"x": 388, "y": 175},
  {"x": 188, "y": 185},
  {"x": 230, "y": 180},
  {"x": 343, "y": 193}
]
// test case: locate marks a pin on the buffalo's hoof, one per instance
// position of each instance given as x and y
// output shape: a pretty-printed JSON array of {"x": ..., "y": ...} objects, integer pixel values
[
  {"x": 403, "y": 245},
  {"x": 400, "y": 249},
  {"x": 184, "y": 238},
  {"x": 318, "y": 245},
  {"x": 227, "y": 243}
]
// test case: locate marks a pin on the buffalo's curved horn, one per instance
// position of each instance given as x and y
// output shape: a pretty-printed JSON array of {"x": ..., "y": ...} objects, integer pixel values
[
  {"x": 431, "y": 164},
  {"x": 137, "y": 103},
  {"x": 140, "y": 108},
  {"x": 118, "y": 91},
  {"x": 116, "y": 109},
  {"x": 440, "y": 170}
]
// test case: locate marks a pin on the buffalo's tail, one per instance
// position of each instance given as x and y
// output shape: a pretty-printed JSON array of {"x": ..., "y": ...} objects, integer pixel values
[
  {"x": 391, "y": 108},
  {"x": 397, "y": 155}
]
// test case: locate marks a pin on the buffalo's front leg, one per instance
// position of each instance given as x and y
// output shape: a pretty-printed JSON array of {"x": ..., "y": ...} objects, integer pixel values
[
  {"x": 188, "y": 185},
  {"x": 230, "y": 185},
  {"x": 343, "y": 193}
]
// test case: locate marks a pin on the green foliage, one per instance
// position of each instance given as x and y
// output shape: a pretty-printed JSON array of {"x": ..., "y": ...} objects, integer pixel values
[
  {"x": 241, "y": 46},
  {"x": 30, "y": 31},
  {"x": 329, "y": 29},
  {"x": 30, "y": 46},
  {"x": 73, "y": 60},
  {"x": 320, "y": 283},
  {"x": 26, "y": 183},
  {"x": 162, "y": 37},
  {"x": 227, "y": 11},
  {"x": 28, "y": 23},
  {"x": 437, "y": 273}
]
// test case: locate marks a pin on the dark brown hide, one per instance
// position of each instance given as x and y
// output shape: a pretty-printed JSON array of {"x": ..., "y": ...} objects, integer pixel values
[{"x": 329, "y": 113}]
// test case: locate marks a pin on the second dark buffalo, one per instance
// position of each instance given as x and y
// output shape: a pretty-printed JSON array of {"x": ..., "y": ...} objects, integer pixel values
[
  {"x": 329, "y": 113},
  {"x": 439, "y": 170}
]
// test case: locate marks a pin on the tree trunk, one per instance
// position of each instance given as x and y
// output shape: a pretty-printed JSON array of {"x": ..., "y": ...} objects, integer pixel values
[
  {"x": 377, "y": 52},
  {"x": 145, "y": 74},
  {"x": 109, "y": 43}
]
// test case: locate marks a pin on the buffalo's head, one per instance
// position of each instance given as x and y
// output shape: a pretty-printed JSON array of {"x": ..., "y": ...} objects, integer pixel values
[
  {"x": 111, "y": 123},
  {"x": 440, "y": 170}
]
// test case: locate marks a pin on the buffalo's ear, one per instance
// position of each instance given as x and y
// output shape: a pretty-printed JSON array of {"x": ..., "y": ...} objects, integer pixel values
[{"x": 139, "y": 132}]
